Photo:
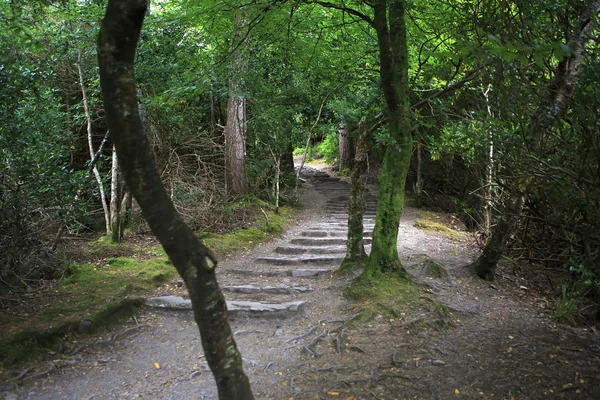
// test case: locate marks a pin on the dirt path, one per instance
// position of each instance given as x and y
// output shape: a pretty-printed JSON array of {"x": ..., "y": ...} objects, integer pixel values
[{"x": 465, "y": 339}]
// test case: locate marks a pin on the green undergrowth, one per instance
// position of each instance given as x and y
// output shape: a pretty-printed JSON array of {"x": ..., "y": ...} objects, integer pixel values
[
  {"x": 100, "y": 294},
  {"x": 108, "y": 289},
  {"x": 432, "y": 222},
  {"x": 386, "y": 292}
]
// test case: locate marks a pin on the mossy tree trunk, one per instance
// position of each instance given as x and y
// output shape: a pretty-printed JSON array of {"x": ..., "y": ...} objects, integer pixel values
[
  {"x": 355, "y": 249},
  {"x": 117, "y": 42},
  {"x": 558, "y": 93},
  {"x": 346, "y": 147},
  {"x": 393, "y": 56}
]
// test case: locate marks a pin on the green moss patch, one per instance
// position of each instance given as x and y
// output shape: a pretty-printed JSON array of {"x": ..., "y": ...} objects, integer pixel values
[
  {"x": 435, "y": 223},
  {"x": 387, "y": 291},
  {"x": 96, "y": 293}
]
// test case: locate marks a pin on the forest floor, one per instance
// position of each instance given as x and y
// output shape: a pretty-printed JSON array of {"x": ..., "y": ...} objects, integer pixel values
[{"x": 445, "y": 337}]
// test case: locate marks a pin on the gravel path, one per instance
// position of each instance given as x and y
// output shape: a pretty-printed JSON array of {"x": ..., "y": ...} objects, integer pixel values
[{"x": 467, "y": 338}]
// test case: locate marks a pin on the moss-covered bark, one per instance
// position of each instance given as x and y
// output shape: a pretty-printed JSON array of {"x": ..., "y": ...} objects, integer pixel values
[
  {"x": 355, "y": 248},
  {"x": 117, "y": 42},
  {"x": 393, "y": 56}
]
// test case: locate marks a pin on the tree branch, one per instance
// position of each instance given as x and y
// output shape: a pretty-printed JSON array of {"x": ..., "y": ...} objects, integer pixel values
[{"x": 345, "y": 9}]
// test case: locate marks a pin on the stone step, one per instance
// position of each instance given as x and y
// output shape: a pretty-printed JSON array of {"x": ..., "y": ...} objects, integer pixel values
[
  {"x": 251, "y": 289},
  {"x": 236, "y": 308},
  {"x": 306, "y": 260},
  {"x": 323, "y": 241},
  {"x": 323, "y": 233},
  {"x": 318, "y": 241},
  {"x": 298, "y": 273},
  {"x": 311, "y": 250},
  {"x": 331, "y": 233}
]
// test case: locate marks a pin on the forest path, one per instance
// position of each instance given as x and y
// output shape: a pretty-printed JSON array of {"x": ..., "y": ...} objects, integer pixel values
[{"x": 465, "y": 338}]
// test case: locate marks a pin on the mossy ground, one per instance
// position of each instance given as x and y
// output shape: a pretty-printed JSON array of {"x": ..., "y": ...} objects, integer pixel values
[
  {"x": 440, "y": 224},
  {"x": 107, "y": 288},
  {"x": 386, "y": 292}
]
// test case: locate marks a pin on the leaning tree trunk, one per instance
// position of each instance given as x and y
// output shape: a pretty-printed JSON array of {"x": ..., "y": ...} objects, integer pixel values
[
  {"x": 558, "y": 93},
  {"x": 393, "y": 56},
  {"x": 235, "y": 128},
  {"x": 355, "y": 249},
  {"x": 117, "y": 41}
]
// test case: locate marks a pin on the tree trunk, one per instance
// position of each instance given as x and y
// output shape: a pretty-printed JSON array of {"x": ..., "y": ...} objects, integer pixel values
[
  {"x": 115, "y": 222},
  {"x": 195, "y": 263},
  {"x": 346, "y": 148},
  {"x": 235, "y": 128},
  {"x": 419, "y": 183},
  {"x": 487, "y": 194},
  {"x": 355, "y": 249},
  {"x": 393, "y": 55},
  {"x": 558, "y": 93},
  {"x": 88, "y": 120},
  {"x": 287, "y": 159}
]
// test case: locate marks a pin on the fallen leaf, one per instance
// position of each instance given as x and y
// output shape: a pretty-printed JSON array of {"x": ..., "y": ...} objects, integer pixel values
[
  {"x": 351, "y": 397},
  {"x": 456, "y": 391},
  {"x": 333, "y": 393},
  {"x": 416, "y": 358},
  {"x": 157, "y": 365}
]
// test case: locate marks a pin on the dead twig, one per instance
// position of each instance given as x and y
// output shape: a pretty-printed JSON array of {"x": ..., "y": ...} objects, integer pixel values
[{"x": 22, "y": 374}]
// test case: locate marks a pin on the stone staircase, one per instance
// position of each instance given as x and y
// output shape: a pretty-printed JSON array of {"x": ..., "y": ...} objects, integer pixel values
[{"x": 278, "y": 285}]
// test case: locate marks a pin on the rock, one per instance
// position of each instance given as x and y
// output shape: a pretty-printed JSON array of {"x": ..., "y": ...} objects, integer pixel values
[
  {"x": 309, "y": 272},
  {"x": 85, "y": 326},
  {"x": 432, "y": 269}
]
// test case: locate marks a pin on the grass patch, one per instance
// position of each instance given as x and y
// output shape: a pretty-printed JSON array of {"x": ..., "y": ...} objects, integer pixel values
[
  {"x": 431, "y": 222},
  {"x": 248, "y": 237},
  {"x": 387, "y": 291},
  {"x": 105, "y": 247}
]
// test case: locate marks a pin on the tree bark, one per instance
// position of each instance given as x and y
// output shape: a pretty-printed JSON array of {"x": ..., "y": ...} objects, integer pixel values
[
  {"x": 117, "y": 41},
  {"x": 488, "y": 188},
  {"x": 88, "y": 120},
  {"x": 346, "y": 148},
  {"x": 355, "y": 249},
  {"x": 235, "y": 128},
  {"x": 115, "y": 222},
  {"x": 419, "y": 183},
  {"x": 393, "y": 56},
  {"x": 555, "y": 102}
]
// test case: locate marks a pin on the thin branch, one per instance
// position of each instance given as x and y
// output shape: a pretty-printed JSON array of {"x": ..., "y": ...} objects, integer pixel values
[{"x": 348, "y": 10}]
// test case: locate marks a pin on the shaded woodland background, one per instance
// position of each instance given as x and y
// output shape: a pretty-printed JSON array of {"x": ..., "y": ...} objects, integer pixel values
[{"x": 255, "y": 81}]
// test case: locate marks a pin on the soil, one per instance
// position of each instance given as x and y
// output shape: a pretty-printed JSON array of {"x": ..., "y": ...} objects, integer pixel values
[{"x": 464, "y": 338}]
